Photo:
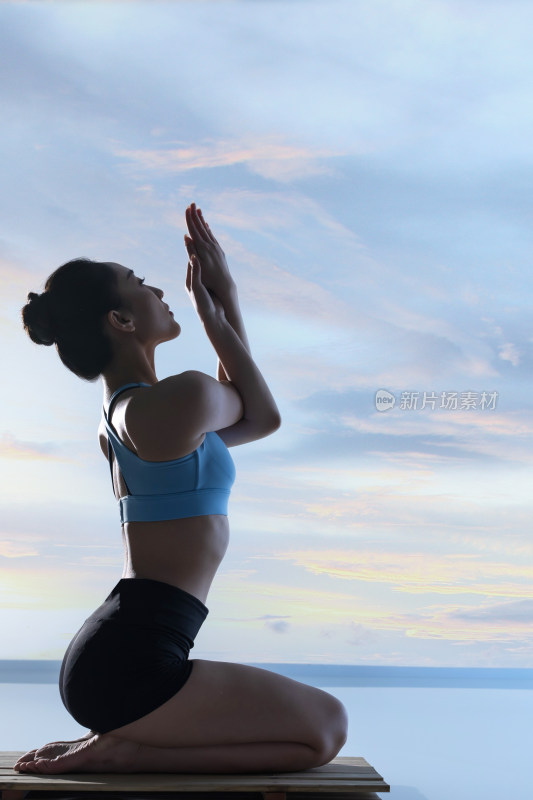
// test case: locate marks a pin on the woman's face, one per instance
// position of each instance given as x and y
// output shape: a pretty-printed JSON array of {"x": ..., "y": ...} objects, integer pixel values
[{"x": 143, "y": 304}]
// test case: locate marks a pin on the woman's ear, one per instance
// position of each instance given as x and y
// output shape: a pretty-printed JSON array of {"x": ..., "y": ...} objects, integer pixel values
[{"x": 120, "y": 321}]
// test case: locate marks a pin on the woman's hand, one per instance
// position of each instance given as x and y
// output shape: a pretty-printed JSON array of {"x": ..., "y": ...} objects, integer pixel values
[
  {"x": 201, "y": 242},
  {"x": 206, "y": 303}
]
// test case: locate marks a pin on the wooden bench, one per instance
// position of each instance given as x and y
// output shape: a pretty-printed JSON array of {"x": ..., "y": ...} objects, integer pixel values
[{"x": 337, "y": 780}]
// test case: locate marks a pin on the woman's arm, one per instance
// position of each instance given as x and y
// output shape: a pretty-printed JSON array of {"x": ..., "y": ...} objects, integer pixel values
[
  {"x": 259, "y": 407},
  {"x": 232, "y": 312},
  {"x": 260, "y": 412}
]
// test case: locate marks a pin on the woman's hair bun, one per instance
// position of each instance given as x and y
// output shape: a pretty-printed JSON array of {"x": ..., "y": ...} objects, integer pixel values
[
  {"x": 37, "y": 318},
  {"x": 71, "y": 312}
]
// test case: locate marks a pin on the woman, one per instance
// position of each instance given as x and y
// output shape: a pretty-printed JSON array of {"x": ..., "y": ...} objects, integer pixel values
[{"x": 126, "y": 674}]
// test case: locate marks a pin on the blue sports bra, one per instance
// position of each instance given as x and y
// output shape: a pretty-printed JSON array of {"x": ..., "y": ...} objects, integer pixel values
[{"x": 193, "y": 486}]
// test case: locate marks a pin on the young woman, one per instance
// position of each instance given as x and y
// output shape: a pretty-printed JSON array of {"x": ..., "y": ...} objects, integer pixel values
[{"x": 126, "y": 674}]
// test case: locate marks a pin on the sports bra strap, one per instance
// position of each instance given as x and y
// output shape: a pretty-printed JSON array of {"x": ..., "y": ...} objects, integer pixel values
[
  {"x": 108, "y": 418},
  {"x": 116, "y": 394}
]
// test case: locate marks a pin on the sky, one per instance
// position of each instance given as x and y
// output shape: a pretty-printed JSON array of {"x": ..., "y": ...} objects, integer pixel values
[{"x": 366, "y": 167}]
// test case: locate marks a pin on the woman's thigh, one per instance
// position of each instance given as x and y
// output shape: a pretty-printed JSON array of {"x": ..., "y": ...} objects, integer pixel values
[{"x": 224, "y": 703}]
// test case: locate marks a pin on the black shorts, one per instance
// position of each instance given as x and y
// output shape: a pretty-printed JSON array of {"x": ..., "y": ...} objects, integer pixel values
[{"x": 131, "y": 655}]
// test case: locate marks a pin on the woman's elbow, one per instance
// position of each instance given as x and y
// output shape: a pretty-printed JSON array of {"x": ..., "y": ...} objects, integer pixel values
[{"x": 274, "y": 422}]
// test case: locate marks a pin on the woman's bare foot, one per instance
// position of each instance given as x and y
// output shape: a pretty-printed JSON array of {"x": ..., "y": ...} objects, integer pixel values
[
  {"x": 99, "y": 753},
  {"x": 50, "y": 750}
]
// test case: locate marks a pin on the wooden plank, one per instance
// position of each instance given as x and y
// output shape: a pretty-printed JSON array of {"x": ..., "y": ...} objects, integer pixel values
[
  {"x": 42, "y": 795},
  {"x": 210, "y": 782},
  {"x": 355, "y": 794},
  {"x": 336, "y": 770},
  {"x": 341, "y": 776},
  {"x": 135, "y": 795},
  {"x": 8, "y": 758},
  {"x": 166, "y": 783}
]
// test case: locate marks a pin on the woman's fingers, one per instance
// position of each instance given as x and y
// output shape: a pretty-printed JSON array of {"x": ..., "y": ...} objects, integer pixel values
[
  {"x": 203, "y": 299},
  {"x": 195, "y": 225},
  {"x": 206, "y": 227},
  {"x": 201, "y": 243},
  {"x": 190, "y": 246},
  {"x": 196, "y": 277}
]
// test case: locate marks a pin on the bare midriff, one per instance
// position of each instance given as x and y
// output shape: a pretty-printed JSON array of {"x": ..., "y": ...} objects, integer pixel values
[{"x": 183, "y": 552}]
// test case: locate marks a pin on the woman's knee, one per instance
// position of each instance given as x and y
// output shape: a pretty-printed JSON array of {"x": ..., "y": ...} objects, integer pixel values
[{"x": 331, "y": 729}]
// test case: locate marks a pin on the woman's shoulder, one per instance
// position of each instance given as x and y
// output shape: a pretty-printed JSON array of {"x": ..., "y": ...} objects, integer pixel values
[
  {"x": 176, "y": 395},
  {"x": 206, "y": 403},
  {"x": 185, "y": 407},
  {"x": 156, "y": 421},
  {"x": 170, "y": 418}
]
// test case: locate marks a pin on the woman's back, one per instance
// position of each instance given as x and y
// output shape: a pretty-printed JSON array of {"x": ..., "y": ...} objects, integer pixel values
[{"x": 187, "y": 548}]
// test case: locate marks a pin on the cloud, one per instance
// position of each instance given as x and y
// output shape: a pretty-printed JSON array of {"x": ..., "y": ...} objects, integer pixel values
[
  {"x": 10, "y": 549},
  {"x": 330, "y": 484},
  {"x": 360, "y": 620},
  {"x": 55, "y": 587},
  {"x": 360, "y": 634},
  {"x": 276, "y": 624},
  {"x": 345, "y": 418},
  {"x": 15, "y": 279},
  {"x": 417, "y": 412},
  {"x": 520, "y": 611},
  {"x": 506, "y": 622},
  {"x": 268, "y": 157},
  {"x": 13, "y": 448},
  {"x": 509, "y": 352},
  {"x": 420, "y": 573}
]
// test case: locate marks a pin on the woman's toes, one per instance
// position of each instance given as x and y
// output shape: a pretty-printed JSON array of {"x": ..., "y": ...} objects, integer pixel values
[
  {"x": 26, "y": 757},
  {"x": 35, "y": 766}
]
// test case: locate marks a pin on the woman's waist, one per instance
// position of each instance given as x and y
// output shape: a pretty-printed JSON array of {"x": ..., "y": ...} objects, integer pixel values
[
  {"x": 196, "y": 584},
  {"x": 184, "y": 556},
  {"x": 201, "y": 527}
]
